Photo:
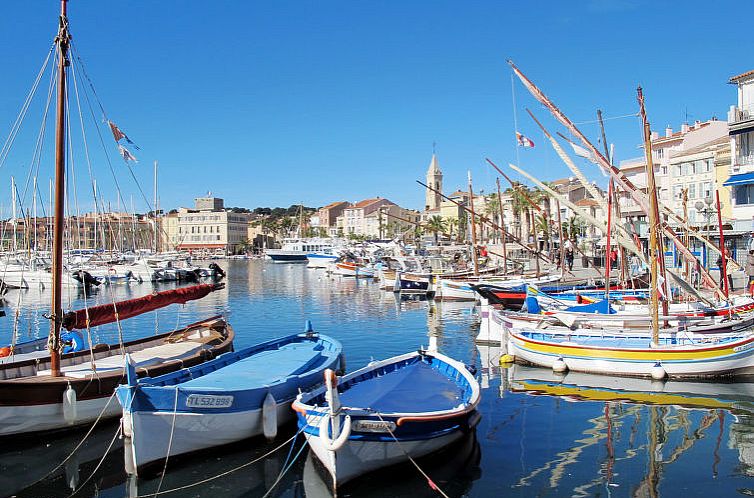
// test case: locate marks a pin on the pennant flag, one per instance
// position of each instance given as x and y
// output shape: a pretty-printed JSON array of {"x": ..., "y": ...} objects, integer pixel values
[
  {"x": 581, "y": 151},
  {"x": 127, "y": 156},
  {"x": 523, "y": 141},
  {"x": 118, "y": 134}
]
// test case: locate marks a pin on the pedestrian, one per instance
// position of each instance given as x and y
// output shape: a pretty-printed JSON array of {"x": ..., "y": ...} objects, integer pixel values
[
  {"x": 750, "y": 270},
  {"x": 723, "y": 274}
]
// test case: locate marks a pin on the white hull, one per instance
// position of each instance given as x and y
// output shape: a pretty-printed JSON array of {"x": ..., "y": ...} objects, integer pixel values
[
  {"x": 356, "y": 458},
  {"x": 35, "y": 418},
  {"x": 319, "y": 261},
  {"x": 454, "y": 290},
  {"x": 149, "y": 432},
  {"x": 28, "y": 278},
  {"x": 740, "y": 365}
]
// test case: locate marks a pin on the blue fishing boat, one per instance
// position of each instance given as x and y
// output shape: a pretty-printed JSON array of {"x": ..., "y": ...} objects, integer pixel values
[
  {"x": 233, "y": 397},
  {"x": 404, "y": 407}
]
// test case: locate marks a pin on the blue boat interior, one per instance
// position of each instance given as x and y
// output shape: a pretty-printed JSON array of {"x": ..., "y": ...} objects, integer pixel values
[
  {"x": 419, "y": 384},
  {"x": 259, "y": 365},
  {"x": 600, "y": 307}
]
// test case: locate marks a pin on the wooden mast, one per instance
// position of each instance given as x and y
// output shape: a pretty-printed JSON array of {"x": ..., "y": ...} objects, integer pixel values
[
  {"x": 56, "y": 313},
  {"x": 724, "y": 265},
  {"x": 654, "y": 222},
  {"x": 473, "y": 228},
  {"x": 608, "y": 263},
  {"x": 502, "y": 224}
]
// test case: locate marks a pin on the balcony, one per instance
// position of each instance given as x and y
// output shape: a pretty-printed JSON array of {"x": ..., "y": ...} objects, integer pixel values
[
  {"x": 742, "y": 164},
  {"x": 741, "y": 118}
]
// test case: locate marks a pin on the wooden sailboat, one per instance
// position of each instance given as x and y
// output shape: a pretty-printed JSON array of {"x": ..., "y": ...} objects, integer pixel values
[
  {"x": 61, "y": 390},
  {"x": 655, "y": 356}
]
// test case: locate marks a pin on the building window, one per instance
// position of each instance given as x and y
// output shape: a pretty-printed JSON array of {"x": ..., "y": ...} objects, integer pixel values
[
  {"x": 744, "y": 194},
  {"x": 692, "y": 191}
]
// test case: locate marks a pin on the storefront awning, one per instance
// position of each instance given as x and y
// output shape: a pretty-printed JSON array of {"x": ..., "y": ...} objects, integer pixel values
[{"x": 740, "y": 179}]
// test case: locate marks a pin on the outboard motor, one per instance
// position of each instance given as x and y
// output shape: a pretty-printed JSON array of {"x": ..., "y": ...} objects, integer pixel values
[
  {"x": 219, "y": 273},
  {"x": 86, "y": 278}
]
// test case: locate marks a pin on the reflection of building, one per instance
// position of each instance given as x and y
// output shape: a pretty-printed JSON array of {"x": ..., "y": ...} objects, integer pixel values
[
  {"x": 210, "y": 227},
  {"x": 742, "y": 439}
]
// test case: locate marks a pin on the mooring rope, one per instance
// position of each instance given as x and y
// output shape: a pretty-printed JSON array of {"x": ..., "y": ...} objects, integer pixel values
[
  {"x": 431, "y": 483},
  {"x": 170, "y": 443},
  {"x": 285, "y": 469},
  {"x": 88, "y": 433},
  {"x": 227, "y": 472},
  {"x": 99, "y": 464}
]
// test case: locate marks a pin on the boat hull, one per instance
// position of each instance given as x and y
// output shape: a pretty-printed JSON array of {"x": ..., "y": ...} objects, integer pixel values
[
  {"x": 32, "y": 402},
  {"x": 191, "y": 432},
  {"x": 281, "y": 256},
  {"x": 725, "y": 359},
  {"x": 360, "y": 457}
]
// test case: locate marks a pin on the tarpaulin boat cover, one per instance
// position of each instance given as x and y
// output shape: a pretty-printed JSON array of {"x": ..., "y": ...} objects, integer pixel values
[{"x": 108, "y": 313}]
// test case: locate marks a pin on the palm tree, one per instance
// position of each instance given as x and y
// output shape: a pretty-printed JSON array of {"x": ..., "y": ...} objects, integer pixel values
[
  {"x": 520, "y": 206},
  {"x": 436, "y": 224},
  {"x": 492, "y": 209},
  {"x": 452, "y": 224},
  {"x": 463, "y": 221}
]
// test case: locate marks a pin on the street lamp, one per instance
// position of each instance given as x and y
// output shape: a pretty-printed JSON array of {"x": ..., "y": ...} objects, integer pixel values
[{"x": 706, "y": 209}]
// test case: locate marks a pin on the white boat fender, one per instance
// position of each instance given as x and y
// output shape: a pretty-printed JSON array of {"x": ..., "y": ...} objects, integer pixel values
[
  {"x": 559, "y": 365},
  {"x": 69, "y": 404},
  {"x": 657, "y": 372},
  {"x": 269, "y": 417},
  {"x": 340, "y": 440}
]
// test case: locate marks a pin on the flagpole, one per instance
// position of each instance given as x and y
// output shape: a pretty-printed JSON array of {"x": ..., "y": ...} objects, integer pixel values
[{"x": 515, "y": 120}]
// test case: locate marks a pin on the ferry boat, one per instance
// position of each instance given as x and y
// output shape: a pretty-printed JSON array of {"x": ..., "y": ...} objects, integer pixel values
[{"x": 297, "y": 250}]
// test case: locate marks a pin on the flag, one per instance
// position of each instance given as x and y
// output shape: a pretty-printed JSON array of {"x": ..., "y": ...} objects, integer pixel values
[
  {"x": 524, "y": 141},
  {"x": 118, "y": 134},
  {"x": 127, "y": 156},
  {"x": 581, "y": 151}
]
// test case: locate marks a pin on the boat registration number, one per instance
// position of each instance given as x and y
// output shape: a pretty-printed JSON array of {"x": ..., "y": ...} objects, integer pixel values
[
  {"x": 208, "y": 401},
  {"x": 372, "y": 426}
]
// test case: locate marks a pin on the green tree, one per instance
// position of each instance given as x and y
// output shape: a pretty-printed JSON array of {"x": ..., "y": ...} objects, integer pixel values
[{"x": 436, "y": 225}]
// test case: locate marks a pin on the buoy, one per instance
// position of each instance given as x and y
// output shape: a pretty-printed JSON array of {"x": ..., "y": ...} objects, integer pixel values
[
  {"x": 69, "y": 405},
  {"x": 4, "y": 351},
  {"x": 559, "y": 365},
  {"x": 269, "y": 417},
  {"x": 506, "y": 359},
  {"x": 657, "y": 372}
]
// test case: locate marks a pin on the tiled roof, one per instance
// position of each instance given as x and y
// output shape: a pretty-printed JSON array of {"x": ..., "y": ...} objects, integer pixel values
[{"x": 741, "y": 76}]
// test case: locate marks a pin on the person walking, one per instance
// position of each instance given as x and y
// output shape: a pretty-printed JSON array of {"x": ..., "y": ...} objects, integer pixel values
[{"x": 750, "y": 271}]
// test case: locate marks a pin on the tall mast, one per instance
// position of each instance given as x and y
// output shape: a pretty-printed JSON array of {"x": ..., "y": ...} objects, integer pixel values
[
  {"x": 154, "y": 207},
  {"x": 14, "y": 214},
  {"x": 473, "y": 228},
  {"x": 56, "y": 313},
  {"x": 34, "y": 212},
  {"x": 502, "y": 224},
  {"x": 654, "y": 222},
  {"x": 608, "y": 263}
]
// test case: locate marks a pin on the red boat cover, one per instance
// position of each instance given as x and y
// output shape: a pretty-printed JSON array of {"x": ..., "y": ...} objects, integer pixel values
[{"x": 108, "y": 313}]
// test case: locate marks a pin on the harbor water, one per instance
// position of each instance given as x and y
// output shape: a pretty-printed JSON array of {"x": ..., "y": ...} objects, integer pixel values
[{"x": 540, "y": 434}]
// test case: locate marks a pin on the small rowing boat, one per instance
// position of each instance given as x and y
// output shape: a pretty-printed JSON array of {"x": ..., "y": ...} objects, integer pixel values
[
  {"x": 390, "y": 411},
  {"x": 233, "y": 397}
]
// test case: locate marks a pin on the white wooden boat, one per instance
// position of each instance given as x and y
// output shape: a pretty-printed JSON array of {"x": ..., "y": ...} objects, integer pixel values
[
  {"x": 407, "y": 406},
  {"x": 233, "y": 397}
]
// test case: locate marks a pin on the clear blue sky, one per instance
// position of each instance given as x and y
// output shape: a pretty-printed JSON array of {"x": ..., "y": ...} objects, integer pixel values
[{"x": 274, "y": 103}]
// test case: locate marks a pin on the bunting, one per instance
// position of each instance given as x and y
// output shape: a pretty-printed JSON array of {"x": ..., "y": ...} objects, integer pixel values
[
  {"x": 525, "y": 142},
  {"x": 118, "y": 135},
  {"x": 126, "y": 154}
]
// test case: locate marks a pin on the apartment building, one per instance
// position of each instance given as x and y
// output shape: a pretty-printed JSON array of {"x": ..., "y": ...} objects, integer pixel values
[
  {"x": 741, "y": 136},
  {"x": 209, "y": 227}
]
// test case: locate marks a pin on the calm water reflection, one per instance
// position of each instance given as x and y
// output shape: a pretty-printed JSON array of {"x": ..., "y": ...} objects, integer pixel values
[{"x": 540, "y": 435}]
